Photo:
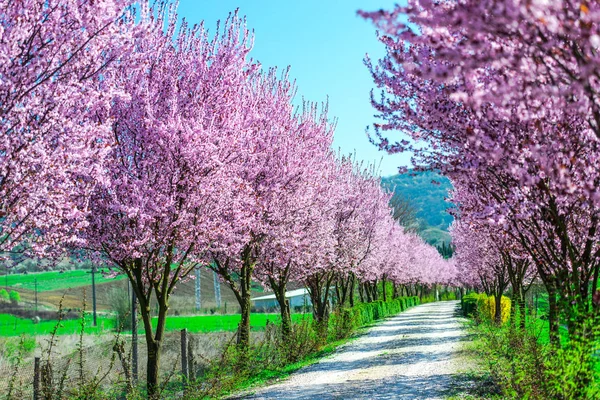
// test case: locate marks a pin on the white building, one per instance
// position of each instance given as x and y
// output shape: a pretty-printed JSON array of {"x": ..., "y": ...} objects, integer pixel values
[{"x": 298, "y": 298}]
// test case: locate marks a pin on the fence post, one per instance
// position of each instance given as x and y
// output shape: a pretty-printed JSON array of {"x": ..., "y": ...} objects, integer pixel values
[
  {"x": 36, "y": 378},
  {"x": 184, "y": 357}
]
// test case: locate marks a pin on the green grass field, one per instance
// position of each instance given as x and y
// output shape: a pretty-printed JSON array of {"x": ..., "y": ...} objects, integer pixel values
[
  {"x": 53, "y": 280},
  {"x": 12, "y": 326},
  {"x": 217, "y": 323}
]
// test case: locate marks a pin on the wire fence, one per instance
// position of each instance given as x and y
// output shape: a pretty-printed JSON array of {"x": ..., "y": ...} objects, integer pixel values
[
  {"x": 59, "y": 376},
  {"x": 105, "y": 364}
]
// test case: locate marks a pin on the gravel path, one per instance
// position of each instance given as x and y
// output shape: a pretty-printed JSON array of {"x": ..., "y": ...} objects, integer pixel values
[{"x": 413, "y": 355}]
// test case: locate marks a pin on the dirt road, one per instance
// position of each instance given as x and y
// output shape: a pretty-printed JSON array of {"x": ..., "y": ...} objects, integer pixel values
[{"x": 411, "y": 356}]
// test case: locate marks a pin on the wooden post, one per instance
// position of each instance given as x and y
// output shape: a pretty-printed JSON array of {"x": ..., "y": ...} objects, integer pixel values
[
  {"x": 184, "y": 357},
  {"x": 36, "y": 378}
]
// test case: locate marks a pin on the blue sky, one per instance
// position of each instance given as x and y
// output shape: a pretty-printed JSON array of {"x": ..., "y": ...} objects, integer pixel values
[{"x": 324, "y": 42}]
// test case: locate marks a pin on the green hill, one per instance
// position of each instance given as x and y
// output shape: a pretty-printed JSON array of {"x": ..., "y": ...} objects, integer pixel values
[{"x": 428, "y": 199}]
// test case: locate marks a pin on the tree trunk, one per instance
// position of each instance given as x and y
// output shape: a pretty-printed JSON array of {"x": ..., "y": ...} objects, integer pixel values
[
  {"x": 318, "y": 286},
  {"x": 522, "y": 312},
  {"x": 351, "y": 294},
  {"x": 243, "y": 339},
  {"x": 594, "y": 306},
  {"x": 153, "y": 346},
  {"x": 338, "y": 293},
  {"x": 345, "y": 288},
  {"x": 152, "y": 367},
  {"x": 553, "y": 316},
  {"x": 384, "y": 289},
  {"x": 395, "y": 293},
  {"x": 498, "y": 308},
  {"x": 286, "y": 319},
  {"x": 360, "y": 292},
  {"x": 513, "y": 307},
  {"x": 279, "y": 288},
  {"x": 153, "y": 341}
]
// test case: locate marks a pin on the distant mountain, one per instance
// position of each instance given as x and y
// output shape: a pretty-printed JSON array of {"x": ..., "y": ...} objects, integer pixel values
[{"x": 428, "y": 198}]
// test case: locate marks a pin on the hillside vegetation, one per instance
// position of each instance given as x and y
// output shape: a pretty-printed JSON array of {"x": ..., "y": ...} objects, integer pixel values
[{"x": 427, "y": 193}]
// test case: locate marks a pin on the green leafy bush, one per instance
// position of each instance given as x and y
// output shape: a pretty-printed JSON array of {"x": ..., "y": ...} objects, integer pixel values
[
  {"x": 524, "y": 368},
  {"x": 446, "y": 296},
  {"x": 121, "y": 308},
  {"x": 4, "y": 295},
  {"x": 469, "y": 304},
  {"x": 428, "y": 299},
  {"x": 17, "y": 347},
  {"x": 15, "y": 297},
  {"x": 486, "y": 307}
]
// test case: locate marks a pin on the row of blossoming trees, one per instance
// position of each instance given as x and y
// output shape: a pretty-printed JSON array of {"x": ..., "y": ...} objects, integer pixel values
[
  {"x": 503, "y": 97},
  {"x": 159, "y": 148}
]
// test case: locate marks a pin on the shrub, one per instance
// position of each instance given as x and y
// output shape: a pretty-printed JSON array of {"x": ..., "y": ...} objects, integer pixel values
[
  {"x": 428, "y": 299},
  {"x": 524, "y": 368},
  {"x": 18, "y": 347},
  {"x": 345, "y": 320},
  {"x": 15, "y": 297},
  {"x": 119, "y": 305},
  {"x": 486, "y": 307},
  {"x": 448, "y": 296},
  {"x": 4, "y": 295},
  {"x": 469, "y": 304}
]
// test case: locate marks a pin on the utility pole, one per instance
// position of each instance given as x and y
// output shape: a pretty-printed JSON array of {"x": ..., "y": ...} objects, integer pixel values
[
  {"x": 95, "y": 323},
  {"x": 198, "y": 289},
  {"x": 217, "y": 289}
]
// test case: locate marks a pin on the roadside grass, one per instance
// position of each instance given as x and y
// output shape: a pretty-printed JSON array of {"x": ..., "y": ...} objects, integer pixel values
[
  {"x": 54, "y": 280},
  {"x": 499, "y": 370},
  {"x": 267, "y": 377},
  {"x": 471, "y": 380},
  {"x": 13, "y": 326}
]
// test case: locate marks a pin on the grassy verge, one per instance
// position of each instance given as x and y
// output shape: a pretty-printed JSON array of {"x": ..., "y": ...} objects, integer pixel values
[
  {"x": 268, "y": 376},
  {"x": 13, "y": 326},
  {"x": 516, "y": 364}
]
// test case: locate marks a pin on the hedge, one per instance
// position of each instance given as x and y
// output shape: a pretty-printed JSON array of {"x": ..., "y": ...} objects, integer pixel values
[
  {"x": 348, "y": 319},
  {"x": 469, "y": 304}
]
